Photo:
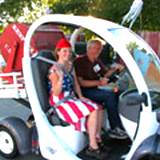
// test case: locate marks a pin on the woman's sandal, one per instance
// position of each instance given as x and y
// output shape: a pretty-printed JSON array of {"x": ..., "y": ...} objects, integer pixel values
[
  {"x": 91, "y": 152},
  {"x": 101, "y": 145}
]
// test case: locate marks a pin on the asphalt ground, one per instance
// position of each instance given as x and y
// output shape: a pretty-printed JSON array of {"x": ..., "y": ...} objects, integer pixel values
[{"x": 114, "y": 148}]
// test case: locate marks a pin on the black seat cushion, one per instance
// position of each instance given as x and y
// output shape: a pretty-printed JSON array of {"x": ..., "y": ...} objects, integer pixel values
[
  {"x": 40, "y": 71},
  {"x": 40, "y": 75}
]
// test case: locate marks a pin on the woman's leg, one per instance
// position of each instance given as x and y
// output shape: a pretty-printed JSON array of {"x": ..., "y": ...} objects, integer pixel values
[
  {"x": 92, "y": 129},
  {"x": 100, "y": 119},
  {"x": 109, "y": 99}
]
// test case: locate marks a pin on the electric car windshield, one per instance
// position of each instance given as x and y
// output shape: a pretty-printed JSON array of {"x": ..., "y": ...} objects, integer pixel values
[{"x": 145, "y": 58}]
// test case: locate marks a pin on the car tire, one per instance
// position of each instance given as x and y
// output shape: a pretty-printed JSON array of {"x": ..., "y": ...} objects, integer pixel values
[
  {"x": 15, "y": 137},
  {"x": 8, "y": 146}
]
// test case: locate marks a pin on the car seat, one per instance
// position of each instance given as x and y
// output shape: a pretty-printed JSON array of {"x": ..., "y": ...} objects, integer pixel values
[
  {"x": 75, "y": 139},
  {"x": 40, "y": 71}
]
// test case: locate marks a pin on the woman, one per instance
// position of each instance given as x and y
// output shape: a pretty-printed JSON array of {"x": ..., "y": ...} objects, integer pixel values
[{"x": 83, "y": 114}]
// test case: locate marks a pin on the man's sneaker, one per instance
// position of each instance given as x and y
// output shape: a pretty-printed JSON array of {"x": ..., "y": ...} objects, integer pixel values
[{"x": 117, "y": 133}]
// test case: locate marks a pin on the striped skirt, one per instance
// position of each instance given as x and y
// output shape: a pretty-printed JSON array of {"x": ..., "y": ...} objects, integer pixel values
[{"x": 73, "y": 110}]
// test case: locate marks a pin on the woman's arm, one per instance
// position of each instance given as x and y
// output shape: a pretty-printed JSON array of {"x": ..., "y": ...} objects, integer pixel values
[{"x": 56, "y": 78}]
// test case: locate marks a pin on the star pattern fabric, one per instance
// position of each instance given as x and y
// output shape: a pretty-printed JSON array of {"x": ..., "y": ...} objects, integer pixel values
[
  {"x": 72, "y": 110},
  {"x": 67, "y": 83}
]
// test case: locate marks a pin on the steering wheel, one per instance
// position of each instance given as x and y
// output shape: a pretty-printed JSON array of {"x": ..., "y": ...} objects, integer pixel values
[
  {"x": 114, "y": 76},
  {"x": 121, "y": 79}
]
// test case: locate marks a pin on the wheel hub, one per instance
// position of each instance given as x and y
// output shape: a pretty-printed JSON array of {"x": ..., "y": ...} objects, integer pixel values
[{"x": 6, "y": 142}]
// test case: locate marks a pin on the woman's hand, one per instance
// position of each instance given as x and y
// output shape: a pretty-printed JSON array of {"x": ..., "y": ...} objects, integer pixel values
[
  {"x": 58, "y": 71},
  {"x": 56, "y": 78},
  {"x": 84, "y": 98}
]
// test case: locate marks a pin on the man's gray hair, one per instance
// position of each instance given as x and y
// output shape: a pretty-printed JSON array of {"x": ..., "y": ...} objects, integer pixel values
[{"x": 93, "y": 41}]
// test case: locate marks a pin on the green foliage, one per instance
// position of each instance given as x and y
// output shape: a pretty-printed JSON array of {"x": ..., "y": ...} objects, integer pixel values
[
  {"x": 13, "y": 8},
  {"x": 80, "y": 7},
  {"x": 151, "y": 15},
  {"x": 114, "y": 10},
  {"x": 29, "y": 15},
  {"x": 131, "y": 46},
  {"x": 1, "y": 29}
]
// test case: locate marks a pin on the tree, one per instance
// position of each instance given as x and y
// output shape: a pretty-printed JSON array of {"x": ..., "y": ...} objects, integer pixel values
[
  {"x": 114, "y": 10},
  {"x": 151, "y": 15},
  {"x": 29, "y": 15},
  {"x": 23, "y": 11},
  {"x": 13, "y": 8},
  {"x": 80, "y": 7},
  {"x": 10, "y": 11}
]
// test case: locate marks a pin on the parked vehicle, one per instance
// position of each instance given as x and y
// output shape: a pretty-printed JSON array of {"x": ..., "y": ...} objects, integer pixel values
[{"x": 138, "y": 102}]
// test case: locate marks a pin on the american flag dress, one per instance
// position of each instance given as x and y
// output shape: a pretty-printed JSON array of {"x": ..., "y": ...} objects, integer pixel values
[{"x": 72, "y": 110}]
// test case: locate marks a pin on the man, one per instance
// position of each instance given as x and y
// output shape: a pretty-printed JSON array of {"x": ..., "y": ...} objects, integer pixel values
[{"x": 92, "y": 74}]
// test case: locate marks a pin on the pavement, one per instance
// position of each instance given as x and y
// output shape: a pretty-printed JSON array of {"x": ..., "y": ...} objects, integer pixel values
[{"x": 115, "y": 148}]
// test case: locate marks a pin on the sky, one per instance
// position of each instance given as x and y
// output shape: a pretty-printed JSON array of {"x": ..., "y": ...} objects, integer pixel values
[{"x": 1, "y": 1}]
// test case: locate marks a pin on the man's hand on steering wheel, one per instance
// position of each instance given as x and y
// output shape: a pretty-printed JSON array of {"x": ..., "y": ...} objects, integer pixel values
[{"x": 116, "y": 70}]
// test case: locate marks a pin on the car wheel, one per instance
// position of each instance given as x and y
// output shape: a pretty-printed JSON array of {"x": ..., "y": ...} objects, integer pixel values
[
  {"x": 8, "y": 146},
  {"x": 15, "y": 137}
]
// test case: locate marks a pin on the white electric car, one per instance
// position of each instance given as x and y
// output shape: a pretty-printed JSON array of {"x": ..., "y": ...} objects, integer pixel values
[{"x": 139, "y": 101}]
